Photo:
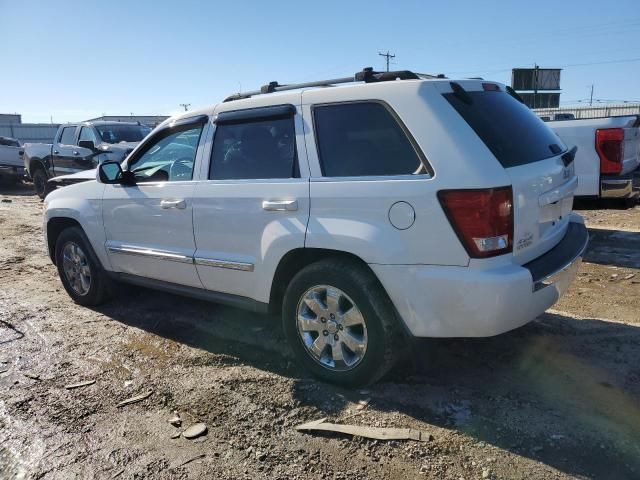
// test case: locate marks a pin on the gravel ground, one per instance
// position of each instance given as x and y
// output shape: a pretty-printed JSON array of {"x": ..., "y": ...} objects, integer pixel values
[{"x": 558, "y": 398}]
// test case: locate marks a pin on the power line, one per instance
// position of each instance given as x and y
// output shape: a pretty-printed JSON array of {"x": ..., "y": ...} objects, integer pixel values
[{"x": 389, "y": 56}]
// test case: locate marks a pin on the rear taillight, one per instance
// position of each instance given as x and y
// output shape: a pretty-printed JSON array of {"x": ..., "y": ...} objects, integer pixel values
[
  {"x": 482, "y": 219},
  {"x": 609, "y": 145}
]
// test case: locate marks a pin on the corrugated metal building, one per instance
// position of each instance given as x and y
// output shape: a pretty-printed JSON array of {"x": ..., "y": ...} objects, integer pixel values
[
  {"x": 10, "y": 118},
  {"x": 150, "y": 120},
  {"x": 11, "y": 126},
  {"x": 595, "y": 111}
]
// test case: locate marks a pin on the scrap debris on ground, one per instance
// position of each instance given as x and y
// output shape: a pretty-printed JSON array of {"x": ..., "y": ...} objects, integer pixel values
[{"x": 556, "y": 399}]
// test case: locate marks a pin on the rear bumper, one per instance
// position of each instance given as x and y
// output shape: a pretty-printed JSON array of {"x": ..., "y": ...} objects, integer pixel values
[
  {"x": 10, "y": 171},
  {"x": 621, "y": 186},
  {"x": 443, "y": 301}
]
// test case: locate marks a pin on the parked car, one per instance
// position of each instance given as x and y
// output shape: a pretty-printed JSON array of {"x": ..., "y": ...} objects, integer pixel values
[
  {"x": 79, "y": 147},
  {"x": 607, "y": 162},
  {"x": 11, "y": 169},
  {"x": 392, "y": 206}
]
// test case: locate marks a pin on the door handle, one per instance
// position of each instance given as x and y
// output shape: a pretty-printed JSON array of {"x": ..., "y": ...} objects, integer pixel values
[
  {"x": 75, "y": 152},
  {"x": 56, "y": 152},
  {"x": 179, "y": 204},
  {"x": 280, "y": 205}
]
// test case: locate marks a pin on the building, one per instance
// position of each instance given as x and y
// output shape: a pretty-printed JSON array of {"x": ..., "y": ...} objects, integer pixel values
[
  {"x": 150, "y": 120},
  {"x": 11, "y": 126},
  {"x": 10, "y": 118}
]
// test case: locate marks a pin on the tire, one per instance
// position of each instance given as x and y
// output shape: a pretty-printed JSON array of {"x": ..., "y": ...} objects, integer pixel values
[
  {"x": 380, "y": 334},
  {"x": 40, "y": 179},
  {"x": 81, "y": 273}
]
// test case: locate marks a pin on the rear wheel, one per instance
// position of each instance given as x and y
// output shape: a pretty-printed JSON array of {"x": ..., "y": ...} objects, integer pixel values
[
  {"x": 40, "y": 182},
  {"x": 79, "y": 269},
  {"x": 340, "y": 323}
]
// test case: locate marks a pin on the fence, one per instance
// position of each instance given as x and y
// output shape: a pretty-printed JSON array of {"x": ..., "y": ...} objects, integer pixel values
[
  {"x": 30, "y": 132},
  {"x": 609, "y": 110}
]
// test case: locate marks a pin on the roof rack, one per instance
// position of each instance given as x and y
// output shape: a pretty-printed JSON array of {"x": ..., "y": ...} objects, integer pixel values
[{"x": 367, "y": 75}]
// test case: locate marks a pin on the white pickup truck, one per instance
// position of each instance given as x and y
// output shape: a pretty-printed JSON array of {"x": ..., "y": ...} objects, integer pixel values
[
  {"x": 11, "y": 168},
  {"x": 608, "y": 155}
]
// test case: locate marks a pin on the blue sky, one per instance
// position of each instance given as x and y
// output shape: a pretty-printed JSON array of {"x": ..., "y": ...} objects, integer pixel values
[{"x": 72, "y": 60}]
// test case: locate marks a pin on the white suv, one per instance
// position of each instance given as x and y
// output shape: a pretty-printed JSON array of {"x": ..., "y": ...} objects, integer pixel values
[{"x": 365, "y": 209}]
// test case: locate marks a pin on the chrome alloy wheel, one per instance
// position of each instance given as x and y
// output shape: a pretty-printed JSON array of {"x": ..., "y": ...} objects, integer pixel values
[
  {"x": 76, "y": 268},
  {"x": 332, "y": 328}
]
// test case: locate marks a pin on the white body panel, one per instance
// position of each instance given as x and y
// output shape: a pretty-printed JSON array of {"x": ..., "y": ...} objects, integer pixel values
[
  {"x": 244, "y": 262},
  {"x": 582, "y": 133},
  {"x": 235, "y": 245},
  {"x": 135, "y": 220}
]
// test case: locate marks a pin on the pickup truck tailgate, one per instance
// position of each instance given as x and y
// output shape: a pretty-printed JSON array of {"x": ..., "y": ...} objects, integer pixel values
[{"x": 631, "y": 149}]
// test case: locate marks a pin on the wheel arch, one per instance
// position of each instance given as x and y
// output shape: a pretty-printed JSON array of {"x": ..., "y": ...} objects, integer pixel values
[
  {"x": 295, "y": 260},
  {"x": 55, "y": 227}
]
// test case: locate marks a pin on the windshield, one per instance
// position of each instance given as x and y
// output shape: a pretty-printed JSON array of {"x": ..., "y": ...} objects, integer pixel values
[
  {"x": 513, "y": 133},
  {"x": 122, "y": 133}
]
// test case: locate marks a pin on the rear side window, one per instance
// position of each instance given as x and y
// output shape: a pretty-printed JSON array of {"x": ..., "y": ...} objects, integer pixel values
[
  {"x": 513, "y": 133},
  {"x": 254, "y": 150},
  {"x": 362, "y": 139},
  {"x": 68, "y": 136}
]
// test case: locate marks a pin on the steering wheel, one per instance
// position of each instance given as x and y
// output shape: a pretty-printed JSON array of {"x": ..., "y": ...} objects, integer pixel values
[{"x": 181, "y": 169}]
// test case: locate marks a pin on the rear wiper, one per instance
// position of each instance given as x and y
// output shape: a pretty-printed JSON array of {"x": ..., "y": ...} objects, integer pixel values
[
  {"x": 568, "y": 157},
  {"x": 460, "y": 93},
  {"x": 514, "y": 94}
]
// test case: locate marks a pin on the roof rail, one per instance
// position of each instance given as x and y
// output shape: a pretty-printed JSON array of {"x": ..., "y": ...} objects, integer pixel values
[{"x": 367, "y": 75}]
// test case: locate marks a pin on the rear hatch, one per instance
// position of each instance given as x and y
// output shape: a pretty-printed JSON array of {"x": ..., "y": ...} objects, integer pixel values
[{"x": 538, "y": 163}]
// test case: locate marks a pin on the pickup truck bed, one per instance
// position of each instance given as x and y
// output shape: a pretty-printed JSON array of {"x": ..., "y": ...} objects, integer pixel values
[{"x": 608, "y": 158}]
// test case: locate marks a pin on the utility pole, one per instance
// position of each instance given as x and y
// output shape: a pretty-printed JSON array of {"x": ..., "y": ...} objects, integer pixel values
[
  {"x": 388, "y": 56},
  {"x": 591, "y": 97},
  {"x": 185, "y": 106}
]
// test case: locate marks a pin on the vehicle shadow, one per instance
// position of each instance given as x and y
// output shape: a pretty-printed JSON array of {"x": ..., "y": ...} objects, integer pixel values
[
  {"x": 613, "y": 247},
  {"x": 20, "y": 188},
  {"x": 603, "y": 204},
  {"x": 562, "y": 391}
]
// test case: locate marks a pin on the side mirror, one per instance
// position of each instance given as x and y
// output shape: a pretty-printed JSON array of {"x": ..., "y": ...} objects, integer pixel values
[
  {"x": 87, "y": 144},
  {"x": 110, "y": 172}
]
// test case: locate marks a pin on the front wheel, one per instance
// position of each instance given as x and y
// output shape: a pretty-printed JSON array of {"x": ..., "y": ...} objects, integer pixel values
[
  {"x": 40, "y": 183},
  {"x": 80, "y": 271},
  {"x": 340, "y": 322}
]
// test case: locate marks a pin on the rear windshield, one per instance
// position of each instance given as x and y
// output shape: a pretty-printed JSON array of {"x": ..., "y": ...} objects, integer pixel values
[
  {"x": 122, "y": 133},
  {"x": 513, "y": 133}
]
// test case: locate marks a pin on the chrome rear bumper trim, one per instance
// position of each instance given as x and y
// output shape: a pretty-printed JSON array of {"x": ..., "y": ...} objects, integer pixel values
[{"x": 572, "y": 264}]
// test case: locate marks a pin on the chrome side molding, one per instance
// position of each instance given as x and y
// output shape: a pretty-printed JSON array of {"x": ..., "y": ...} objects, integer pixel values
[
  {"x": 211, "y": 262},
  {"x": 177, "y": 257},
  {"x": 147, "y": 252}
]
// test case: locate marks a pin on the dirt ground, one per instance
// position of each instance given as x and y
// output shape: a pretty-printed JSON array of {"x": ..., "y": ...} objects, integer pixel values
[{"x": 558, "y": 398}]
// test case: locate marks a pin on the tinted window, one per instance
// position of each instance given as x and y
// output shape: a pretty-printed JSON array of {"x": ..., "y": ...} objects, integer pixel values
[
  {"x": 87, "y": 134},
  {"x": 9, "y": 142},
  {"x": 122, "y": 133},
  {"x": 513, "y": 133},
  {"x": 362, "y": 139},
  {"x": 259, "y": 149},
  {"x": 68, "y": 136},
  {"x": 169, "y": 158}
]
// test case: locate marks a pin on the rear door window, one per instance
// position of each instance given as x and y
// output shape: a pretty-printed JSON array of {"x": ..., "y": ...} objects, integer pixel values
[
  {"x": 363, "y": 139},
  {"x": 68, "y": 136},
  {"x": 513, "y": 133},
  {"x": 254, "y": 149}
]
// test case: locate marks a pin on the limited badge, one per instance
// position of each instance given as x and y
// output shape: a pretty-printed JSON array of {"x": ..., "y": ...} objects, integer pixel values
[{"x": 525, "y": 241}]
